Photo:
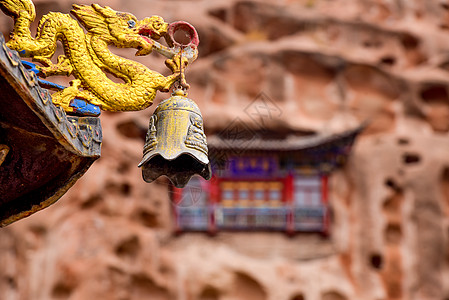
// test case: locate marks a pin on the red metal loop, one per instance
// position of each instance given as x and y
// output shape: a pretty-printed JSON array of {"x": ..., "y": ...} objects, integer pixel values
[{"x": 188, "y": 28}]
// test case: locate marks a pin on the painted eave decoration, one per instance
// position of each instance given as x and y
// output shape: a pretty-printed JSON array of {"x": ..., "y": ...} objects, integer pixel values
[{"x": 42, "y": 150}]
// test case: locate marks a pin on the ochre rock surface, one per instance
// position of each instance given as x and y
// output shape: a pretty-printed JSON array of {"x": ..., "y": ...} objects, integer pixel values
[{"x": 324, "y": 66}]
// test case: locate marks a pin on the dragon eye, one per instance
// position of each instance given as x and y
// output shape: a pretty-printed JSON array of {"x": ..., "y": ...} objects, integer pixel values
[
  {"x": 157, "y": 25},
  {"x": 131, "y": 23}
]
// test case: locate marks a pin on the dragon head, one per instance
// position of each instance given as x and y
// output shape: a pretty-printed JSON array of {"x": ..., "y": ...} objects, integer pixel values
[{"x": 121, "y": 29}]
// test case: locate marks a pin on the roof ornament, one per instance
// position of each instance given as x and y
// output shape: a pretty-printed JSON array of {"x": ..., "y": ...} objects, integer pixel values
[{"x": 88, "y": 59}]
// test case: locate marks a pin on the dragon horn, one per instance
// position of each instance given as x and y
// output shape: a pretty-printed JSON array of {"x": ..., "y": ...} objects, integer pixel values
[
  {"x": 13, "y": 7},
  {"x": 106, "y": 11},
  {"x": 90, "y": 18}
]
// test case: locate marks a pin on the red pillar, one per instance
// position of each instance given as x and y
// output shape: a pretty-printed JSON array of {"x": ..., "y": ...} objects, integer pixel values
[
  {"x": 289, "y": 190},
  {"x": 325, "y": 202},
  {"x": 214, "y": 192}
]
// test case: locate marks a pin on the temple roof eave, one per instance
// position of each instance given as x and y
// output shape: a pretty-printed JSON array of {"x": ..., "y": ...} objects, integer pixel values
[{"x": 289, "y": 144}]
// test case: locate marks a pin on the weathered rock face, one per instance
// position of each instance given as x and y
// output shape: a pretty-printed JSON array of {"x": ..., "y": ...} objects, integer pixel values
[{"x": 324, "y": 66}]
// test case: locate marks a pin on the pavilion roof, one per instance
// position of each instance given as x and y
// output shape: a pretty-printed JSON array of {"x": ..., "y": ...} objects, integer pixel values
[{"x": 290, "y": 143}]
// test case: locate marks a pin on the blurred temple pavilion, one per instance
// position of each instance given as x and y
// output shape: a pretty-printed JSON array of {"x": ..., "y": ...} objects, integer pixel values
[{"x": 264, "y": 184}]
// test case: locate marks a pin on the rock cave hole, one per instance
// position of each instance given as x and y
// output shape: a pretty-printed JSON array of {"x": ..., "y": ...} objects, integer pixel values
[
  {"x": 388, "y": 60},
  {"x": 211, "y": 42},
  {"x": 394, "y": 290},
  {"x": 444, "y": 26},
  {"x": 131, "y": 129},
  {"x": 209, "y": 293},
  {"x": 165, "y": 269},
  {"x": 372, "y": 44},
  {"x": 91, "y": 201},
  {"x": 403, "y": 141},
  {"x": 130, "y": 247},
  {"x": 364, "y": 78},
  {"x": 376, "y": 261},
  {"x": 123, "y": 167},
  {"x": 11, "y": 282},
  {"x": 445, "y": 175},
  {"x": 245, "y": 16},
  {"x": 61, "y": 291},
  {"x": 409, "y": 41},
  {"x": 38, "y": 230},
  {"x": 392, "y": 204},
  {"x": 125, "y": 189},
  {"x": 447, "y": 248},
  {"x": 148, "y": 219},
  {"x": 246, "y": 287},
  {"x": 411, "y": 158},
  {"x": 435, "y": 93},
  {"x": 393, "y": 233},
  {"x": 142, "y": 286},
  {"x": 298, "y": 297},
  {"x": 333, "y": 295},
  {"x": 263, "y": 20},
  {"x": 220, "y": 14},
  {"x": 444, "y": 183},
  {"x": 444, "y": 66},
  {"x": 391, "y": 183}
]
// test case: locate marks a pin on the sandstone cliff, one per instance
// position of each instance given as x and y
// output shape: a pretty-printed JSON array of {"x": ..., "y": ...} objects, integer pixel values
[{"x": 328, "y": 66}]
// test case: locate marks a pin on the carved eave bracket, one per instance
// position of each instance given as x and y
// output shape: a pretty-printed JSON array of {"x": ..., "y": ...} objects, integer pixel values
[{"x": 43, "y": 152}]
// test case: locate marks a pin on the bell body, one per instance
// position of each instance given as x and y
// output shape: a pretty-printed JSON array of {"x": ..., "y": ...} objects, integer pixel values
[{"x": 175, "y": 144}]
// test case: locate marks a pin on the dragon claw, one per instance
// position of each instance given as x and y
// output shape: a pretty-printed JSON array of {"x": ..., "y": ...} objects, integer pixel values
[
  {"x": 142, "y": 51},
  {"x": 76, "y": 83},
  {"x": 65, "y": 96},
  {"x": 174, "y": 64},
  {"x": 62, "y": 67}
]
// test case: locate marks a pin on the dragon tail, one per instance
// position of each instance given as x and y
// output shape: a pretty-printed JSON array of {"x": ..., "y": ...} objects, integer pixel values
[{"x": 19, "y": 8}]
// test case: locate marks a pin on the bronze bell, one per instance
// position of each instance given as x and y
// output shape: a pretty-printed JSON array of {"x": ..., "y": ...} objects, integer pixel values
[{"x": 175, "y": 144}]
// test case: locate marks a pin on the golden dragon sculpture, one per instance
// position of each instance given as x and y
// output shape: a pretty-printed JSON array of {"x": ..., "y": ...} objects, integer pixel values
[{"x": 88, "y": 59}]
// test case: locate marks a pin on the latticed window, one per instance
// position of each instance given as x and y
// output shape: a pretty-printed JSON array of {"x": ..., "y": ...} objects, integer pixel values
[{"x": 310, "y": 208}]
